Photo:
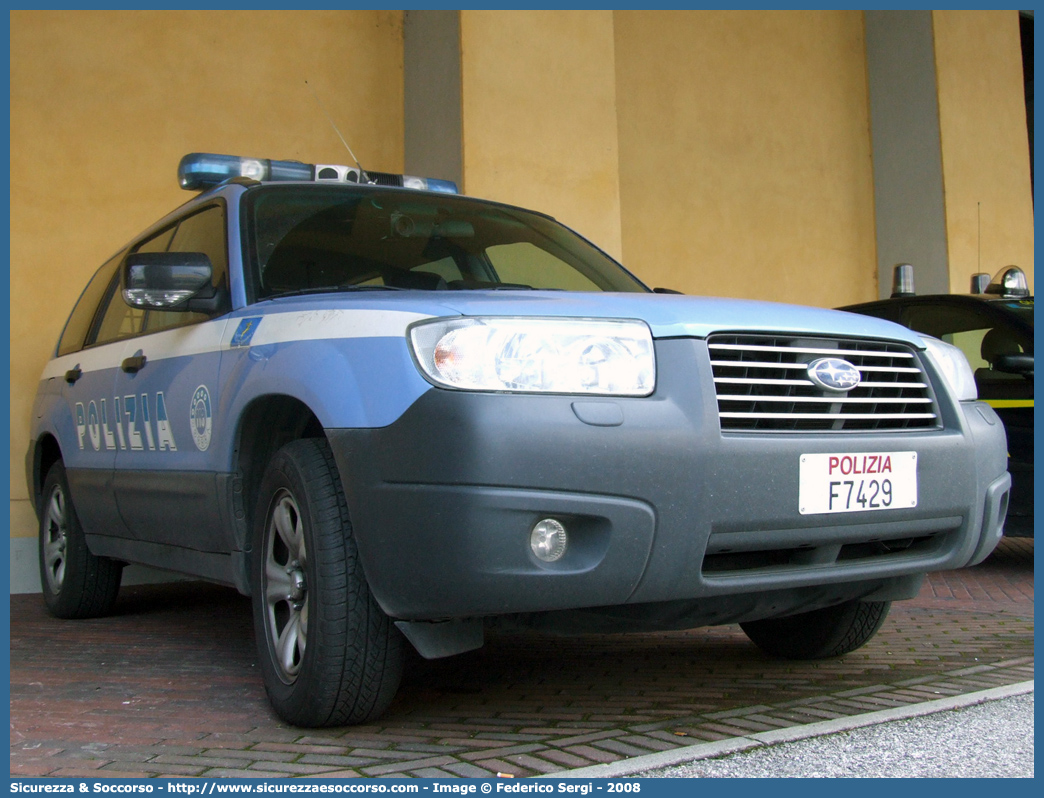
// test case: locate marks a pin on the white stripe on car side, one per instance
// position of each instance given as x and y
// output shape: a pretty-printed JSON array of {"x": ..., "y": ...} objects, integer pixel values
[
  {"x": 316, "y": 325},
  {"x": 102, "y": 357},
  {"x": 216, "y": 336}
]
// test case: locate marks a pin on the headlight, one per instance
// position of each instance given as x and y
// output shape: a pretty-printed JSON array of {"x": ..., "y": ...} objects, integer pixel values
[
  {"x": 953, "y": 365},
  {"x": 577, "y": 356}
]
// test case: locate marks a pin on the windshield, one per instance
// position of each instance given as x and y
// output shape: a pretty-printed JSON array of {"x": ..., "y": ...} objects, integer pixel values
[{"x": 305, "y": 239}]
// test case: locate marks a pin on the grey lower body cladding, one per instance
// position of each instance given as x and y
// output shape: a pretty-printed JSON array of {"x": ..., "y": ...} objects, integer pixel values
[{"x": 671, "y": 522}]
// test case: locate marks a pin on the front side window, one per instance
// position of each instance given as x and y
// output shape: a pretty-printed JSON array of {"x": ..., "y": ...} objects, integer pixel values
[
  {"x": 202, "y": 231},
  {"x": 119, "y": 319},
  {"x": 967, "y": 329},
  {"x": 315, "y": 239},
  {"x": 982, "y": 337},
  {"x": 79, "y": 324}
]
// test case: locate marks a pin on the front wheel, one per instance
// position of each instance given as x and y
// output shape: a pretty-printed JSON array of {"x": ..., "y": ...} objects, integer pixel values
[
  {"x": 329, "y": 655},
  {"x": 76, "y": 583},
  {"x": 829, "y": 632}
]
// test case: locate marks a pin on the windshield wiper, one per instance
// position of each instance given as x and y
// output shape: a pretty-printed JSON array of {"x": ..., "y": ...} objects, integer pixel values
[
  {"x": 333, "y": 289},
  {"x": 478, "y": 285}
]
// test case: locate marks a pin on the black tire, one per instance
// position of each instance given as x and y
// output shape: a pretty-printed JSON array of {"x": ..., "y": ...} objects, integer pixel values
[
  {"x": 329, "y": 655},
  {"x": 829, "y": 632},
  {"x": 76, "y": 583}
]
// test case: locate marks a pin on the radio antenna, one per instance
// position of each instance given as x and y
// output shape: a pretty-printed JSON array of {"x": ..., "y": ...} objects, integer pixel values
[
  {"x": 337, "y": 131},
  {"x": 978, "y": 232}
]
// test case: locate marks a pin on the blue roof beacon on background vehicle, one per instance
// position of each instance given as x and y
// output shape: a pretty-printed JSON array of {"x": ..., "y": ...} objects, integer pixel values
[
  {"x": 393, "y": 415},
  {"x": 993, "y": 327}
]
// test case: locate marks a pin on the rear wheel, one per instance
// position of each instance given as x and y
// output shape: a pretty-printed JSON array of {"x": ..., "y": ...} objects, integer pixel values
[
  {"x": 76, "y": 583},
  {"x": 329, "y": 655},
  {"x": 829, "y": 632}
]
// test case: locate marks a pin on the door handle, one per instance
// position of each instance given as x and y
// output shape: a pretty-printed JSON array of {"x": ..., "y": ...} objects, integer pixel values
[
  {"x": 73, "y": 374},
  {"x": 134, "y": 364}
]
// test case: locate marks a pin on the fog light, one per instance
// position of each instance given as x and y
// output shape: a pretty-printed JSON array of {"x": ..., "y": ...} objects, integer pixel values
[{"x": 548, "y": 540}]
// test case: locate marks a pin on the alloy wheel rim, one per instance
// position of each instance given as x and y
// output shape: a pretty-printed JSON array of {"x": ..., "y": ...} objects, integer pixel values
[
  {"x": 285, "y": 588},
  {"x": 55, "y": 540}
]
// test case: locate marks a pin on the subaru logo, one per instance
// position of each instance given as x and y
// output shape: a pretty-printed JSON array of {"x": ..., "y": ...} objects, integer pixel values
[{"x": 833, "y": 374}]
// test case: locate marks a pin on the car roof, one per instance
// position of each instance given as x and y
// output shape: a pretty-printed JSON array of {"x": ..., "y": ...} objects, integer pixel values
[
  {"x": 998, "y": 306},
  {"x": 1000, "y": 303}
]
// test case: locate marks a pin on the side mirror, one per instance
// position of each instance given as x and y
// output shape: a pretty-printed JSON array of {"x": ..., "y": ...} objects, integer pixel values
[
  {"x": 166, "y": 280},
  {"x": 1014, "y": 364}
]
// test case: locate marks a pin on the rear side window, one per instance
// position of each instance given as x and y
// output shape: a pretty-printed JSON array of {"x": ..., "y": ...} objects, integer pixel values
[{"x": 79, "y": 323}]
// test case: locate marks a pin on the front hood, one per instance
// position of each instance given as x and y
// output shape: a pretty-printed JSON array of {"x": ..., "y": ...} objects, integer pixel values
[
  {"x": 673, "y": 316},
  {"x": 668, "y": 315}
]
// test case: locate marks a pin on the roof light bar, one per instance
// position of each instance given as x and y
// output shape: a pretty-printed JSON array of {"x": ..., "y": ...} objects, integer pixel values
[
  {"x": 980, "y": 282},
  {"x": 902, "y": 280},
  {"x": 429, "y": 184},
  {"x": 1010, "y": 282},
  {"x": 201, "y": 170}
]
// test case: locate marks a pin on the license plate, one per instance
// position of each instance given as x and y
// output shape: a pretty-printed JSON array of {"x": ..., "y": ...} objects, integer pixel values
[{"x": 856, "y": 483}]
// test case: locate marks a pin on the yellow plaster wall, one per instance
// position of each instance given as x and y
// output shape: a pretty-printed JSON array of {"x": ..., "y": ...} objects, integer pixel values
[
  {"x": 745, "y": 153},
  {"x": 539, "y": 115},
  {"x": 985, "y": 144},
  {"x": 105, "y": 103}
]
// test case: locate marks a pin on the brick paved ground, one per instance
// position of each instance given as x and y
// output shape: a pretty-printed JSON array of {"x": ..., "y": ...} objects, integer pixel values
[{"x": 168, "y": 686}]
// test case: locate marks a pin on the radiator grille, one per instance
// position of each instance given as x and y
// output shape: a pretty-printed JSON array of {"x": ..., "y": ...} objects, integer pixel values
[{"x": 762, "y": 384}]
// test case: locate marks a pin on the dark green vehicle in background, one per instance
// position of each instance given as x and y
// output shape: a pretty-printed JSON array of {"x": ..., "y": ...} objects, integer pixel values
[{"x": 993, "y": 326}]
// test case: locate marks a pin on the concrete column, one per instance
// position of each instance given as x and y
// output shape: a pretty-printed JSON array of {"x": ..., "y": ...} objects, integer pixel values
[
  {"x": 431, "y": 74},
  {"x": 952, "y": 185},
  {"x": 907, "y": 158}
]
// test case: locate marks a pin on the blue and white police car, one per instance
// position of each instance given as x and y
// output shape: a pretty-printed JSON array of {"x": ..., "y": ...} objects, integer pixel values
[{"x": 391, "y": 413}]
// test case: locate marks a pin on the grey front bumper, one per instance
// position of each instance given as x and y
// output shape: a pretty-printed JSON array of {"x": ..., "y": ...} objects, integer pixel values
[{"x": 660, "y": 507}]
